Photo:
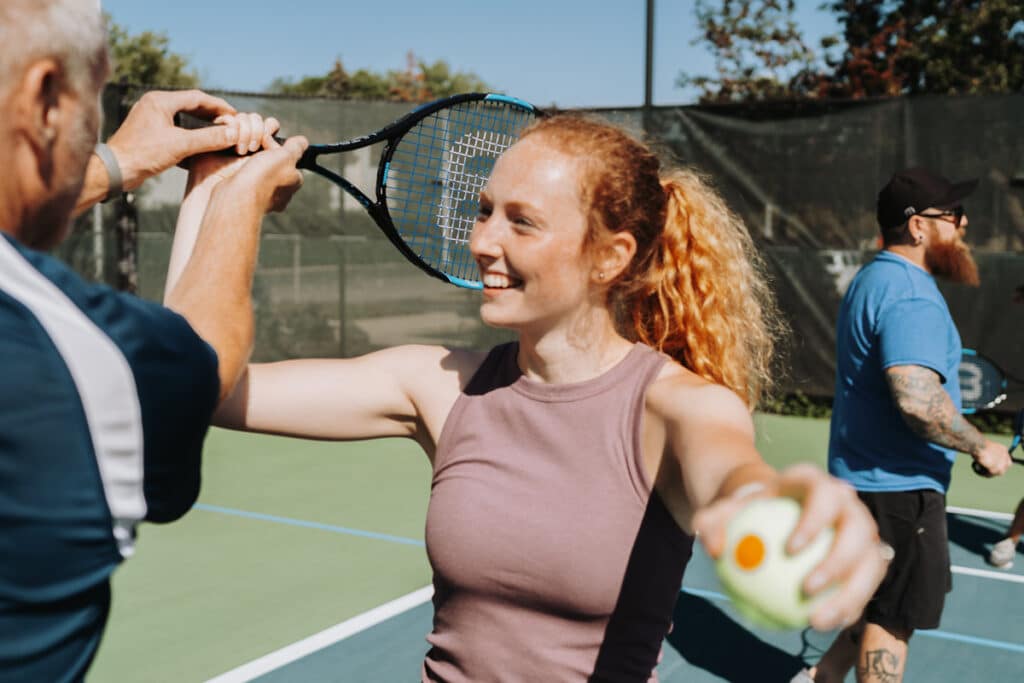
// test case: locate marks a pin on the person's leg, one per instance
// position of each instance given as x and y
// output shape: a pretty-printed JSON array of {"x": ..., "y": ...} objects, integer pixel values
[
  {"x": 1003, "y": 552},
  {"x": 912, "y": 594},
  {"x": 840, "y": 656},
  {"x": 883, "y": 654},
  {"x": 1017, "y": 525}
]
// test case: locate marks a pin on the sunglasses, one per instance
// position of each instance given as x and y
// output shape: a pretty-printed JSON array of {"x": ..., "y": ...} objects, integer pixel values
[{"x": 954, "y": 215}]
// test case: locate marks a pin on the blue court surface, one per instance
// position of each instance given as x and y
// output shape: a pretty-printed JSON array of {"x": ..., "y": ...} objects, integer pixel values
[
  {"x": 304, "y": 561},
  {"x": 980, "y": 637}
]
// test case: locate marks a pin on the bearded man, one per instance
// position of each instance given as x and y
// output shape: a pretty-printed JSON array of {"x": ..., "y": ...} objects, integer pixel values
[{"x": 896, "y": 422}]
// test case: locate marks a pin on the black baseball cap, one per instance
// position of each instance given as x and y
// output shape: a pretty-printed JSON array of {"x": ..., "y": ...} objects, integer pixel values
[{"x": 913, "y": 190}]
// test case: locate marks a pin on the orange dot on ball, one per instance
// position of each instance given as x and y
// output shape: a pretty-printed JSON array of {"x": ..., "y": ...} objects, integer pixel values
[{"x": 749, "y": 552}]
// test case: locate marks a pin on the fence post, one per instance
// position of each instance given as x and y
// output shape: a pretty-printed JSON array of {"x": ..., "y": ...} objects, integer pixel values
[{"x": 126, "y": 219}]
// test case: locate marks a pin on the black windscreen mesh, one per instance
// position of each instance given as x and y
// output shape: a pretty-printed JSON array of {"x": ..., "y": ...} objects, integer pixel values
[{"x": 804, "y": 178}]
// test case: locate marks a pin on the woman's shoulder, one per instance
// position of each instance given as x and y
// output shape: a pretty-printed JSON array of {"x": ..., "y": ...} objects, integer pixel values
[
  {"x": 428, "y": 364},
  {"x": 680, "y": 395}
]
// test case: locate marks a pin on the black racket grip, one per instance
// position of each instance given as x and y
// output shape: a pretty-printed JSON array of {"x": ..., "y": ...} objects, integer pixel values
[
  {"x": 190, "y": 122},
  {"x": 981, "y": 471}
]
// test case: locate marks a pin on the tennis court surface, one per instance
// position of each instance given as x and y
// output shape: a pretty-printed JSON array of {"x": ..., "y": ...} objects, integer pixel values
[{"x": 304, "y": 561}]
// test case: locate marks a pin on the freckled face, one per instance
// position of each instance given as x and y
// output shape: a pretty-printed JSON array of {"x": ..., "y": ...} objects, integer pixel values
[{"x": 528, "y": 238}]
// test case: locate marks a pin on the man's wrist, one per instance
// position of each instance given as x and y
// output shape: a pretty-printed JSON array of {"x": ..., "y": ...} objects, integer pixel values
[{"x": 115, "y": 178}]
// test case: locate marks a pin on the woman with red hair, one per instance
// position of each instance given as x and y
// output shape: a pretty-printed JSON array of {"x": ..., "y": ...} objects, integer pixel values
[{"x": 573, "y": 467}]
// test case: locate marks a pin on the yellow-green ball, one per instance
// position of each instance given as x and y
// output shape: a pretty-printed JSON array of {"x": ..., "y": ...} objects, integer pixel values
[{"x": 762, "y": 579}]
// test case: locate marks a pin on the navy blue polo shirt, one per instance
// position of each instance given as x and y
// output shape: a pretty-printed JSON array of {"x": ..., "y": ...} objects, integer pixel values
[
  {"x": 893, "y": 314},
  {"x": 105, "y": 400}
]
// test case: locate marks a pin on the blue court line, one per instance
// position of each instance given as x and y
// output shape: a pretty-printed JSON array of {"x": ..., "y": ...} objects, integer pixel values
[
  {"x": 942, "y": 635},
  {"x": 309, "y": 525},
  {"x": 710, "y": 595}
]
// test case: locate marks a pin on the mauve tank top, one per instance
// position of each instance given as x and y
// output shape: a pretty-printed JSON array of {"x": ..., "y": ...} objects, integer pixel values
[{"x": 552, "y": 559}]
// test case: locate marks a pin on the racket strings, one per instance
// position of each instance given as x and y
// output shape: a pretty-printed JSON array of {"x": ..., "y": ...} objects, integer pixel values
[
  {"x": 436, "y": 173},
  {"x": 982, "y": 384}
]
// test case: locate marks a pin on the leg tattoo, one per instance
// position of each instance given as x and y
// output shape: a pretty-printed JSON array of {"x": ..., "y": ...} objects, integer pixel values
[{"x": 882, "y": 666}]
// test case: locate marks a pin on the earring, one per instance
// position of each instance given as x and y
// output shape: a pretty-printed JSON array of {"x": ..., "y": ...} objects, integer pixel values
[{"x": 600, "y": 275}]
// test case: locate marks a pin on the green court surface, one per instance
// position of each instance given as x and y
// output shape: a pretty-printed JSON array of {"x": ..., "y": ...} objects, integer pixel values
[{"x": 288, "y": 567}]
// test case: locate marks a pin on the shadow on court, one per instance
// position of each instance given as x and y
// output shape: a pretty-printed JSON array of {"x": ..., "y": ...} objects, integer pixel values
[
  {"x": 976, "y": 535},
  {"x": 708, "y": 638}
]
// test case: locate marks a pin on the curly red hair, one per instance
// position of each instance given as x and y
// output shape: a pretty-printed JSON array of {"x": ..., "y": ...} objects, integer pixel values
[{"x": 696, "y": 288}]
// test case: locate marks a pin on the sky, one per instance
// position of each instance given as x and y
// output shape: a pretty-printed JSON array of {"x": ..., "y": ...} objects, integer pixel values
[{"x": 573, "y": 53}]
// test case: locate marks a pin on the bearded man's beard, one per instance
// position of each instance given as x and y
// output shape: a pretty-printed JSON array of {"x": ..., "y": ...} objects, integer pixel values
[{"x": 952, "y": 260}]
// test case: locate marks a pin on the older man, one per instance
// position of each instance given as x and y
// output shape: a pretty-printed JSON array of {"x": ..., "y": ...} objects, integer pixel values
[{"x": 105, "y": 398}]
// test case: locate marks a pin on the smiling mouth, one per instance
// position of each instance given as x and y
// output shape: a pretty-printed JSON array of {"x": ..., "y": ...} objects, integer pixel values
[{"x": 500, "y": 281}]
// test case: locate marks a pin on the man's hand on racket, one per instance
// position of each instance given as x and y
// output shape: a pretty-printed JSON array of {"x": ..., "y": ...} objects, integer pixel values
[
  {"x": 148, "y": 142},
  {"x": 266, "y": 179},
  {"x": 992, "y": 460},
  {"x": 252, "y": 133},
  {"x": 857, "y": 560}
]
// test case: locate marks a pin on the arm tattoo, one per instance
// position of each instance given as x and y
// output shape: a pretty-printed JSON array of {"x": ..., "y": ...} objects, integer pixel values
[
  {"x": 928, "y": 410},
  {"x": 882, "y": 666}
]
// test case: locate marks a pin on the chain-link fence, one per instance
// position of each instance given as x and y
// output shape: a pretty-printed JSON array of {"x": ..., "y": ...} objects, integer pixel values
[{"x": 804, "y": 177}]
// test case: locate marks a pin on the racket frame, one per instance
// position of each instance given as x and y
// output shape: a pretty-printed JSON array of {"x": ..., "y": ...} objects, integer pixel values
[
  {"x": 391, "y": 135},
  {"x": 1002, "y": 390}
]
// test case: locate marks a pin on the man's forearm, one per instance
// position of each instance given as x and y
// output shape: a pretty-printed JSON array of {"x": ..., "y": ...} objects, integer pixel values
[{"x": 929, "y": 412}]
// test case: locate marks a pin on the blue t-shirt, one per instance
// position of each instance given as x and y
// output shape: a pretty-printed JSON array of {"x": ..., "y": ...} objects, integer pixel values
[
  {"x": 104, "y": 404},
  {"x": 892, "y": 314}
]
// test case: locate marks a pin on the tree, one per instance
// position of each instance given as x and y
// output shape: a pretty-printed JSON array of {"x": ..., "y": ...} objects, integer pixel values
[
  {"x": 759, "y": 52},
  {"x": 146, "y": 59},
  {"x": 419, "y": 82},
  {"x": 927, "y": 46}
]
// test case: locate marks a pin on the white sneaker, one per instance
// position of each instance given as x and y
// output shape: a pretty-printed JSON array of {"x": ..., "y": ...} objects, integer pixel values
[{"x": 1002, "y": 553}]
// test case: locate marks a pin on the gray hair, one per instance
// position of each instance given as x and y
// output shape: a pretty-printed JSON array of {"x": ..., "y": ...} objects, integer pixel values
[{"x": 71, "y": 31}]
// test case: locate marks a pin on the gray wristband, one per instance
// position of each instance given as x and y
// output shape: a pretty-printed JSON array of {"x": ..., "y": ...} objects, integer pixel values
[{"x": 115, "y": 181}]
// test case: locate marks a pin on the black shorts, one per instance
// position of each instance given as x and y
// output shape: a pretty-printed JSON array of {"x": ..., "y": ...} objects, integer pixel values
[{"x": 914, "y": 589}]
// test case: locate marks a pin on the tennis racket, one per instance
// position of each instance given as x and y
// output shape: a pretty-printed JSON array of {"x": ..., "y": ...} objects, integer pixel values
[
  {"x": 436, "y": 160},
  {"x": 1018, "y": 433},
  {"x": 983, "y": 384}
]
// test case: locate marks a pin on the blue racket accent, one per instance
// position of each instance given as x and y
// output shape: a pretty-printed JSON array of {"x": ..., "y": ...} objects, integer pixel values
[
  {"x": 515, "y": 101},
  {"x": 467, "y": 284}
]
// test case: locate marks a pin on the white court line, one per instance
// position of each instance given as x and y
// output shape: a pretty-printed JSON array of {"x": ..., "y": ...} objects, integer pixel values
[
  {"x": 329, "y": 636},
  {"x": 1005, "y": 516},
  {"x": 986, "y": 574},
  {"x": 361, "y": 622}
]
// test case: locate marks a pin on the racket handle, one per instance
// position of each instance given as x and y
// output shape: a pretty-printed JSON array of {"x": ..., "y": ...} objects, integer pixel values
[
  {"x": 190, "y": 122},
  {"x": 979, "y": 469}
]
